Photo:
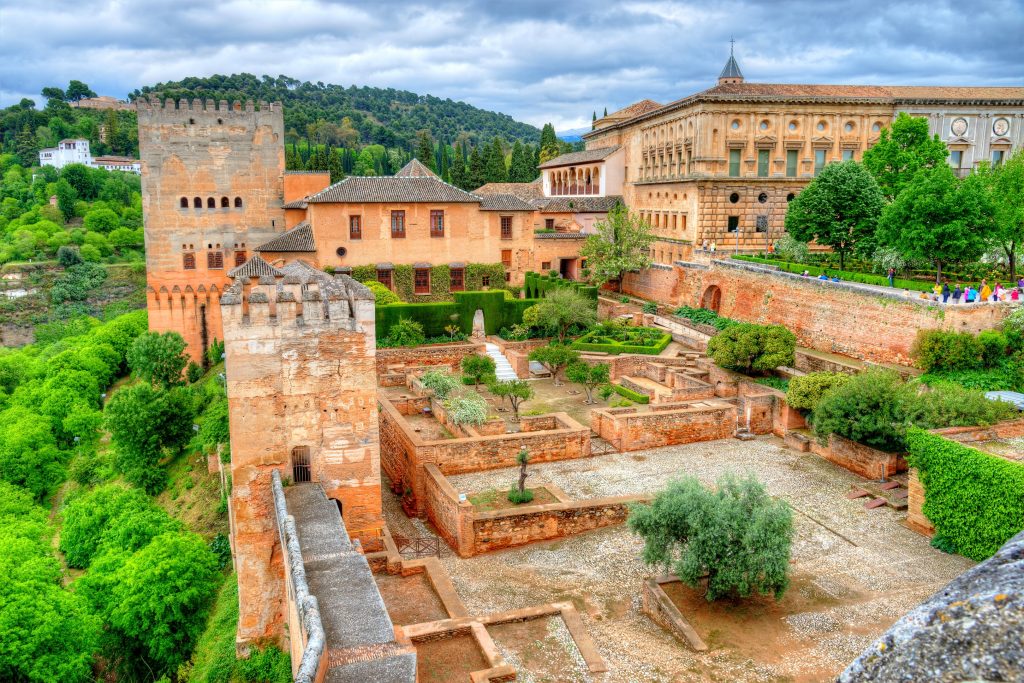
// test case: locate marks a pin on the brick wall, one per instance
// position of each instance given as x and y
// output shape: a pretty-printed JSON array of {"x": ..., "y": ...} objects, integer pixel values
[
  {"x": 868, "y": 462},
  {"x": 915, "y": 500},
  {"x": 399, "y": 361},
  {"x": 1003, "y": 430},
  {"x": 451, "y": 518},
  {"x": 630, "y": 430}
]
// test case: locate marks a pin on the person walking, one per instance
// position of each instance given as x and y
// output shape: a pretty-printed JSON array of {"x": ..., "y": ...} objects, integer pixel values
[
  {"x": 997, "y": 293},
  {"x": 986, "y": 291},
  {"x": 892, "y": 277},
  {"x": 1015, "y": 294},
  {"x": 957, "y": 293},
  {"x": 945, "y": 292}
]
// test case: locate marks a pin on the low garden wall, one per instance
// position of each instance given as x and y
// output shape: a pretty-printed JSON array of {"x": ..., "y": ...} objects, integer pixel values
[
  {"x": 666, "y": 425},
  {"x": 865, "y": 461},
  {"x": 1003, "y": 430},
  {"x": 398, "y": 362},
  {"x": 662, "y": 611}
]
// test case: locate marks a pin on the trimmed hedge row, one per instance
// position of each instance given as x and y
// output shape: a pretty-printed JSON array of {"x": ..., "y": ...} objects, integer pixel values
[
  {"x": 633, "y": 396},
  {"x": 402, "y": 277},
  {"x": 536, "y": 285},
  {"x": 582, "y": 344},
  {"x": 499, "y": 312},
  {"x": 975, "y": 500},
  {"x": 847, "y": 275}
]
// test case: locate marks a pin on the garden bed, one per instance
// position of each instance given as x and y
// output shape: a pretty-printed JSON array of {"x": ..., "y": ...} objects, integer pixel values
[
  {"x": 613, "y": 341},
  {"x": 496, "y": 499}
]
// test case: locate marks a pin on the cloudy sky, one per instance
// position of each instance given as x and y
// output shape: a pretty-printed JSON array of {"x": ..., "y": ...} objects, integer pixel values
[{"x": 538, "y": 60}]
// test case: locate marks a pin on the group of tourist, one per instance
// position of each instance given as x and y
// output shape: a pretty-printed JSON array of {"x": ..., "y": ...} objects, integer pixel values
[{"x": 970, "y": 294}]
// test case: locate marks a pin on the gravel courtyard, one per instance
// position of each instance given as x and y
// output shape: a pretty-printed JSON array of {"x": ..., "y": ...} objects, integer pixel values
[{"x": 859, "y": 570}]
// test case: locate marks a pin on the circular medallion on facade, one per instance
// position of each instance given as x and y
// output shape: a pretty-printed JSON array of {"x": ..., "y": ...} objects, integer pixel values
[
  {"x": 734, "y": 197},
  {"x": 959, "y": 126},
  {"x": 1000, "y": 127},
  {"x": 763, "y": 197}
]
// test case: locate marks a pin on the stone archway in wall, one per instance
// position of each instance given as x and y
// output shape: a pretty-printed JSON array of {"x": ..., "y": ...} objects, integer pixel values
[{"x": 711, "y": 299}]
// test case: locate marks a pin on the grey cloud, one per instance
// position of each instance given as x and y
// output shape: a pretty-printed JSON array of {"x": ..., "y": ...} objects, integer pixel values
[{"x": 534, "y": 59}]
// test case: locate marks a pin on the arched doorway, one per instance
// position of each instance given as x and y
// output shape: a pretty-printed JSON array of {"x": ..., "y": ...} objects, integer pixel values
[{"x": 712, "y": 298}]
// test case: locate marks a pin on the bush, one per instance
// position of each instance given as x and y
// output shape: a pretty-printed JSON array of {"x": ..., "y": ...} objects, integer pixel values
[
  {"x": 478, "y": 367},
  {"x": 747, "y": 347},
  {"x": 806, "y": 391},
  {"x": 406, "y": 332},
  {"x": 68, "y": 256},
  {"x": 633, "y": 396},
  {"x": 616, "y": 339},
  {"x": 975, "y": 500},
  {"x": 469, "y": 408},
  {"x": 194, "y": 372},
  {"x": 519, "y": 497},
  {"x": 382, "y": 294},
  {"x": 994, "y": 345},
  {"x": 736, "y": 535},
  {"x": 704, "y": 316},
  {"x": 440, "y": 382},
  {"x": 941, "y": 350},
  {"x": 650, "y": 307}
]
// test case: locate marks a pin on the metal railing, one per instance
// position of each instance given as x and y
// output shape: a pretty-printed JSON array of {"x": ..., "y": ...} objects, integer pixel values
[{"x": 308, "y": 607}]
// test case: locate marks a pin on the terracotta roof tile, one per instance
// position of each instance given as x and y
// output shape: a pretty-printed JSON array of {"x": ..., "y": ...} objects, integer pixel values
[
  {"x": 504, "y": 202},
  {"x": 586, "y": 156},
  {"x": 525, "y": 191},
  {"x": 415, "y": 169},
  {"x": 255, "y": 267},
  {"x": 299, "y": 238},
  {"x": 392, "y": 190}
]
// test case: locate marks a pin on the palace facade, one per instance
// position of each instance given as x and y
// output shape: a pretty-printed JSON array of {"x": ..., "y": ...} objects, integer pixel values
[{"x": 721, "y": 165}]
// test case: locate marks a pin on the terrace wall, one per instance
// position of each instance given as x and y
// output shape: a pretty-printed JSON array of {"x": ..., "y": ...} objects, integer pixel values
[
  {"x": 664, "y": 425},
  {"x": 868, "y": 462},
  {"x": 399, "y": 362}
]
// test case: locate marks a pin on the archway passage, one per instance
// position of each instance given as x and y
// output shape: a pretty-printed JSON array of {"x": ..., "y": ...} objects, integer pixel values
[{"x": 712, "y": 298}]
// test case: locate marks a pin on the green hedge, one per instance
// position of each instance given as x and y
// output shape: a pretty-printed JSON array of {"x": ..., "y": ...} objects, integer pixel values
[
  {"x": 975, "y": 500},
  {"x": 582, "y": 344},
  {"x": 846, "y": 275},
  {"x": 499, "y": 311},
  {"x": 633, "y": 396},
  {"x": 536, "y": 285}
]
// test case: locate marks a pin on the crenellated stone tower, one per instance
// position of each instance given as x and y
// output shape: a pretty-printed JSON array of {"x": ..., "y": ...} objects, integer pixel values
[
  {"x": 212, "y": 189},
  {"x": 301, "y": 385}
]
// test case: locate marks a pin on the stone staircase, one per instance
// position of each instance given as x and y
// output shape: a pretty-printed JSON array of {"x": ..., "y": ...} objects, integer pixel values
[{"x": 502, "y": 368}]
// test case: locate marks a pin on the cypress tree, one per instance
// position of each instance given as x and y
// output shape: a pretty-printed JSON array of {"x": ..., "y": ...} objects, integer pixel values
[
  {"x": 521, "y": 169},
  {"x": 477, "y": 175},
  {"x": 496, "y": 170},
  {"x": 425, "y": 150},
  {"x": 444, "y": 163},
  {"x": 549, "y": 147},
  {"x": 336, "y": 165},
  {"x": 606, "y": 111},
  {"x": 457, "y": 172}
]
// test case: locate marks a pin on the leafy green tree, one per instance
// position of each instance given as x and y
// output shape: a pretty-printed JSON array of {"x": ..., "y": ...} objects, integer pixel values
[
  {"x": 442, "y": 383},
  {"x": 622, "y": 244},
  {"x": 158, "y": 358},
  {"x": 554, "y": 357},
  {"x": 145, "y": 424},
  {"x": 425, "y": 150},
  {"x": 549, "y": 147},
  {"x": 939, "y": 218},
  {"x": 804, "y": 392},
  {"x": 736, "y": 536},
  {"x": 561, "y": 309},
  {"x": 1006, "y": 184},
  {"x": 99, "y": 517},
  {"x": 53, "y": 93},
  {"x": 102, "y": 220},
  {"x": 66, "y": 198},
  {"x": 746, "y": 347},
  {"x": 365, "y": 165},
  {"x": 870, "y": 409},
  {"x": 588, "y": 376},
  {"x": 478, "y": 367},
  {"x": 839, "y": 209},
  {"x": 514, "y": 390},
  {"x": 77, "y": 90},
  {"x": 68, "y": 256},
  {"x": 29, "y": 456},
  {"x": 903, "y": 149},
  {"x": 521, "y": 169}
]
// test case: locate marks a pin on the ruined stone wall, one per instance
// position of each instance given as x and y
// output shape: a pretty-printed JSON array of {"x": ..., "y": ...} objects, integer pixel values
[
  {"x": 300, "y": 375},
  {"x": 229, "y": 160},
  {"x": 451, "y": 518},
  {"x": 841, "y": 318},
  {"x": 630, "y": 430}
]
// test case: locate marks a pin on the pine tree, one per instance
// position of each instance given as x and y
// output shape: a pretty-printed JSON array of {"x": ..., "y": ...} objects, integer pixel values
[
  {"x": 549, "y": 147},
  {"x": 496, "y": 170},
  {"x": 425, "y": 150},
  {"x": 606, "y": 111},
  {"x": 457, "y": 172},
  {"x": 521, "y": 169},
  {"x": 477, "y": 175}
]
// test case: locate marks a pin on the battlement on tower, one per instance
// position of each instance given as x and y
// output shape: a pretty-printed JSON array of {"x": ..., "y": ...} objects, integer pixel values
[{"x": 153, "y": 105}]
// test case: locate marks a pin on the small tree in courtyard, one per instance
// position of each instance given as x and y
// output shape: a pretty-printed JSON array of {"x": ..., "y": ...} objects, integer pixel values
[
  {"x": 521, "y": 494},
  {"x": 515, "y": 391},
  {"x": 554, "y": 357},
  {"x": 622, "y": 244},
  {"x": 561, "y": 309},
  {"x": 478, "y": 368},
  {"x": 746, "y": 347},
  {"x": 736, "y": 536},
  {"x": 469, "y": 408},
  {"x": 588, "y": 376}
]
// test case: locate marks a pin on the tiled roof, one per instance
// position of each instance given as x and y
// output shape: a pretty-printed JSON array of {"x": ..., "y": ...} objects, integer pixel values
[
  {"x": 296, "y": 204},
  {"x": 581, "y": 204},
  {"x": 415, "y": 169},
  {"x": 561, "y": 235},
  {"x": 504, "y": 202},
  {"x": 525, "y": 191},
  {"x": 586, "y": 156},
  {"x": 299, "y": 238},
  {"x": 392, "y": 190},
  {"x": 635, "y": 109},
  {"x": 255, "y": 267}
]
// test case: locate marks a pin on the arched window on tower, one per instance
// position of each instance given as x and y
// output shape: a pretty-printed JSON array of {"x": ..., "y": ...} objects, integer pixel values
[
  {"x": 224, "y": 203},
  {"x": 211, "y": 203},
  {"x": 238, "y": 202},
  {"x": 197, "y": 203},
  {"x": 184, "y": 202}
]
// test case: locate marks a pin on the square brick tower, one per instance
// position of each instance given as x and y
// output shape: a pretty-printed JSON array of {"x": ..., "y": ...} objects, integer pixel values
[
  {"x": 212, "y": 189},
  {"x": 301, "y": 385}
]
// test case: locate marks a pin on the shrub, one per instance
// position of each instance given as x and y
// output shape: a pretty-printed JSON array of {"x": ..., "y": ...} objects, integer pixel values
[
  {"x": 805, "y": 391},
  {"x": 68, "y": 256},
  {"x": 440, "y": 382},
  {"x": 868, "y": 408},
  {"x": 215, "y": 352},
  {"x": 624, "y": 299},
  {"x": 994, "y": 345},
  {"x": 478, "y": 368},
  {"x": 650, "y": 307},
  {"x": 633, "y": 396},
  {"x": 616, "y": 339},
  {"x": 469, "y": 408},
  {"x": 779, "y": 383},
  {"x": 519, "y": 497},
  {"x": 382, "y": 294},
  {"x": 406, "y": 332},
  {"x": 194, "y": 372},
  {"x": 704, "y": 316},
  {"x": 975, "y": 500},
  {"x": 942, "y": 350},
  {"x": 737, "y": 536},
  {"x": 747, "y": 347}
]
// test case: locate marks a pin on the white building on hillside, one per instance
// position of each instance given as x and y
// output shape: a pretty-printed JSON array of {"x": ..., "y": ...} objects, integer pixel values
[{"x": 77, "y": 152}]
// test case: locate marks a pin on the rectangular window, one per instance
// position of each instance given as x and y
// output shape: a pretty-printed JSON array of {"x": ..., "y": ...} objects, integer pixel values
[
  {"x": 457, "y": 280},
  {"x": 239, "y": 257},
  {"x": 422, "y": 281},
  {"x": 762, "y": 163},
  {"x": 437, "y": 223},
  {"x": 549, "y": 223},
  {"x": 762, "y": 224},
  {"x": 215, "y": 260},
  {"x": 734, "y": 223},
  {"x": 506, "y": 258},
  {"x": 506, "y": 227},
  {"x": 188, "y": 261},
  {"x": 545, "y": 266},
  {"x": 384, "y": 277},
  {"x": 847, "y": 155},
  {"x": 508, "y": 277},
  {"x": 734, "y": 163},
  {"x": 485, "y": 281},
  {"x": 956, "y": 158},
  {"x": 791, "y": 162},
  {"x": 819, "y": 160},
  {"x": 355, "y": 227},
  {"x": 997, "y": 157},
  {"x": 398, "y": 224}
]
